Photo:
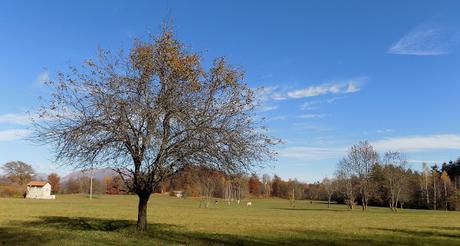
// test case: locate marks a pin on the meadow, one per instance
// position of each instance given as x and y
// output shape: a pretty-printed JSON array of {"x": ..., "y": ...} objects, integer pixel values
[{"x": 76, "y": 220}]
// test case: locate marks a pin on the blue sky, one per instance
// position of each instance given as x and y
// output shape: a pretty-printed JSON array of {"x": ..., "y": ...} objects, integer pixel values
[{"x": 333, "y": 72}]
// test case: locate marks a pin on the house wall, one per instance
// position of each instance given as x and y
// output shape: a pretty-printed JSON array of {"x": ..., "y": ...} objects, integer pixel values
[{"x": 39, "y": 192}]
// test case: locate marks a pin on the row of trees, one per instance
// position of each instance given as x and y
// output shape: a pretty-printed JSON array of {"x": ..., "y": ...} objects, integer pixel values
[{"x": 364, "y": 178}]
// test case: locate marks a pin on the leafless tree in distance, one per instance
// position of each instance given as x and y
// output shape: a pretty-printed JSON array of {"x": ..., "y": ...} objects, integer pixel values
[
  {"x": 394, "y": 176},
  {"x": 359, "y": 163}
]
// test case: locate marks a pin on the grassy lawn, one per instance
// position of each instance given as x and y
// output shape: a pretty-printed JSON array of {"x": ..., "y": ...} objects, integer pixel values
[{"x": 75, "y": 220}]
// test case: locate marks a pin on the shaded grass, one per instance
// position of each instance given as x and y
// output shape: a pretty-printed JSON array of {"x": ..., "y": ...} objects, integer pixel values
[{"x": 75, "y": 220}]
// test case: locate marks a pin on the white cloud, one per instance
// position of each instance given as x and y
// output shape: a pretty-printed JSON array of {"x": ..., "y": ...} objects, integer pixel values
[
  {"x": 264, "y": 93},
  {"x": 312, "y": 116},
  {"x": 349, "y": 86},
  {"x": 352, "y": 87},
  {"x": 279, "y": 117},
  {"x": 42, "y": 78},
  {"x": 310, "y": 105},
  {"x": 13, "y": 134},
  {"x": 419, "y": 143},
  {"x": 311, "y": 153},
  {"x": 430, "y": 38},
  {"x": 278, "y": 96},
  {"x": 266, "y": 108},
  {"x": 16, "y": 119}
]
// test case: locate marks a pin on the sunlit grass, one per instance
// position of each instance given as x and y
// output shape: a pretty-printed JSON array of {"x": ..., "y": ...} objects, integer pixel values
[{"x": 74, "y": 219}]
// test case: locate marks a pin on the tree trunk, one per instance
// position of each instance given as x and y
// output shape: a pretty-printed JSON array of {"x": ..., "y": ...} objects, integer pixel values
[{"x": 142, "y": 212}]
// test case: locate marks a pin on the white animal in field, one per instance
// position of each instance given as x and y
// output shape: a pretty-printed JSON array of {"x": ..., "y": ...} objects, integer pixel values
[{"x": 248, "y": 204}]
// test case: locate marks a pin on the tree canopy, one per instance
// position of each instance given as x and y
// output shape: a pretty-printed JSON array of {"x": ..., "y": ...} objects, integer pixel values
[{"x": 150, "y": 113}]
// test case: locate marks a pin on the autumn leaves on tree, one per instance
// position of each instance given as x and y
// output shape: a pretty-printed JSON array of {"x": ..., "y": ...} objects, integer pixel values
[{"x": 151, "y": 113}]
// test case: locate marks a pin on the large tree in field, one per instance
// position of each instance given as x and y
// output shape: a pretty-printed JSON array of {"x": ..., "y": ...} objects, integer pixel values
[
  {"x": 18, "y": 172},
  {"x": 152, "y": 112},
  {"x": 358, "y": 164}
]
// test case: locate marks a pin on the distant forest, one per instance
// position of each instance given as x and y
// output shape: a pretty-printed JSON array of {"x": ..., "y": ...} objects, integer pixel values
[{"x": 388, "y": 184}]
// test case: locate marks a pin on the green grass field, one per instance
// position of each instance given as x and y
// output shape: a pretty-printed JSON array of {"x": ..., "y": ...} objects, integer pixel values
[{"x": 75, "y": 220}]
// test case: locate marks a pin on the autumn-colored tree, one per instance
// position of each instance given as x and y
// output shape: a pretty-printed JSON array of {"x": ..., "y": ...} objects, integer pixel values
[
  {"x": 446, "y": 183},
  {"x": 150, "y": 113},
  {"x": 107, "y": 180},
  {"x": 54, "y": 181},
  {"x": 115, "y": 187},
  {"x": 276, "y": 186},
  {"x": 254, "y": 185}
]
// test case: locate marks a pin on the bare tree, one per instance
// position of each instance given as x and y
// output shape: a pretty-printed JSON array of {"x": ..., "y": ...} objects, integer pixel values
[
  {"x": 425, "y": 183},
  {"x": 150, "y": 113},
  {"x": 207, "y": 180},
  {"x": 267, "y": 185},
  {"x": 394, "y": 176},
  {"x": 344, "y": 178},
  {"x": 18, "y": 172},
  {"x": 359, "y": 163},
  {"x": 329, "y": 188},
  {"x": 435, "y": 176}
]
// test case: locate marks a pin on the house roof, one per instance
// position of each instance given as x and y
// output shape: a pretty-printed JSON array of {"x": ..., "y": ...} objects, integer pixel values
[{"x": 37, "y": 183}]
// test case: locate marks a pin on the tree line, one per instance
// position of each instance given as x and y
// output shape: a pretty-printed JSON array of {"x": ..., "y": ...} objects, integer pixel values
[{"x": 362, "y": 178}]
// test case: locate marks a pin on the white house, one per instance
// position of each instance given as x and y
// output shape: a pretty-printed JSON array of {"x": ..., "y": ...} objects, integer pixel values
[{"x": 39, "y": 190}]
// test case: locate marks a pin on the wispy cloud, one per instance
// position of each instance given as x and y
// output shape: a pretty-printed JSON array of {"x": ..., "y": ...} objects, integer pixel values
[
  {"x": 419, "y": 143},
  {"x": 311, "y": 153},
  {"x": 310, "y": 105},
  {"x": 267, "y": 108},
  {"x": 349, "y": 86},
  {"x": 312, "y": 116},
  {"x": 16, "y": 119},
  {"x": 13, "y": 134},
  {"x": 278, "y": 117},
  {"x": 431, "y": 38},
  {"x": 278, "y": 96},
  {"x": 278, "y": 93}
]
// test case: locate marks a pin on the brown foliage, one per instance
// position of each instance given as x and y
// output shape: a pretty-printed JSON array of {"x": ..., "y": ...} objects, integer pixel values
[
  {"x": 151, "y": 113},
  {"x": 54, "y": 181}
]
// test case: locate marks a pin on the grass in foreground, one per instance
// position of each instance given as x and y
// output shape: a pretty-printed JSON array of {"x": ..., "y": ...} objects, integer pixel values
[{"x": 75, "y": 220}]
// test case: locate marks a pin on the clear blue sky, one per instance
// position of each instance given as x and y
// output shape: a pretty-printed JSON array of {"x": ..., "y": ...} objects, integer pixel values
[{"x": 333, "y": 72}]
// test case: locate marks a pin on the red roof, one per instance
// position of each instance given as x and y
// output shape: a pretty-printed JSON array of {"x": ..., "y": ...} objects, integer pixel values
[{"x": 37, "y": 183}]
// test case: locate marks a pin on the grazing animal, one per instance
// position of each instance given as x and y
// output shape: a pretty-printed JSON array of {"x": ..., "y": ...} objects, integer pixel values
[{"x": 248, "y": 204}]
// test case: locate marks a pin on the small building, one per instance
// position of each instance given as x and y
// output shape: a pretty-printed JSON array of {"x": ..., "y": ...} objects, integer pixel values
[{"x": 39, "y": 190}]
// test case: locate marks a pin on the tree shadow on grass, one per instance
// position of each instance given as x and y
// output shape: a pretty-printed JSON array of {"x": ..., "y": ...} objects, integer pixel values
[
  {"x": 421, "y": 233},
  {"x": 168, "y": 234},
  {"x": 80, "y": 223},
  {"x": 15, "y": 236}
]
